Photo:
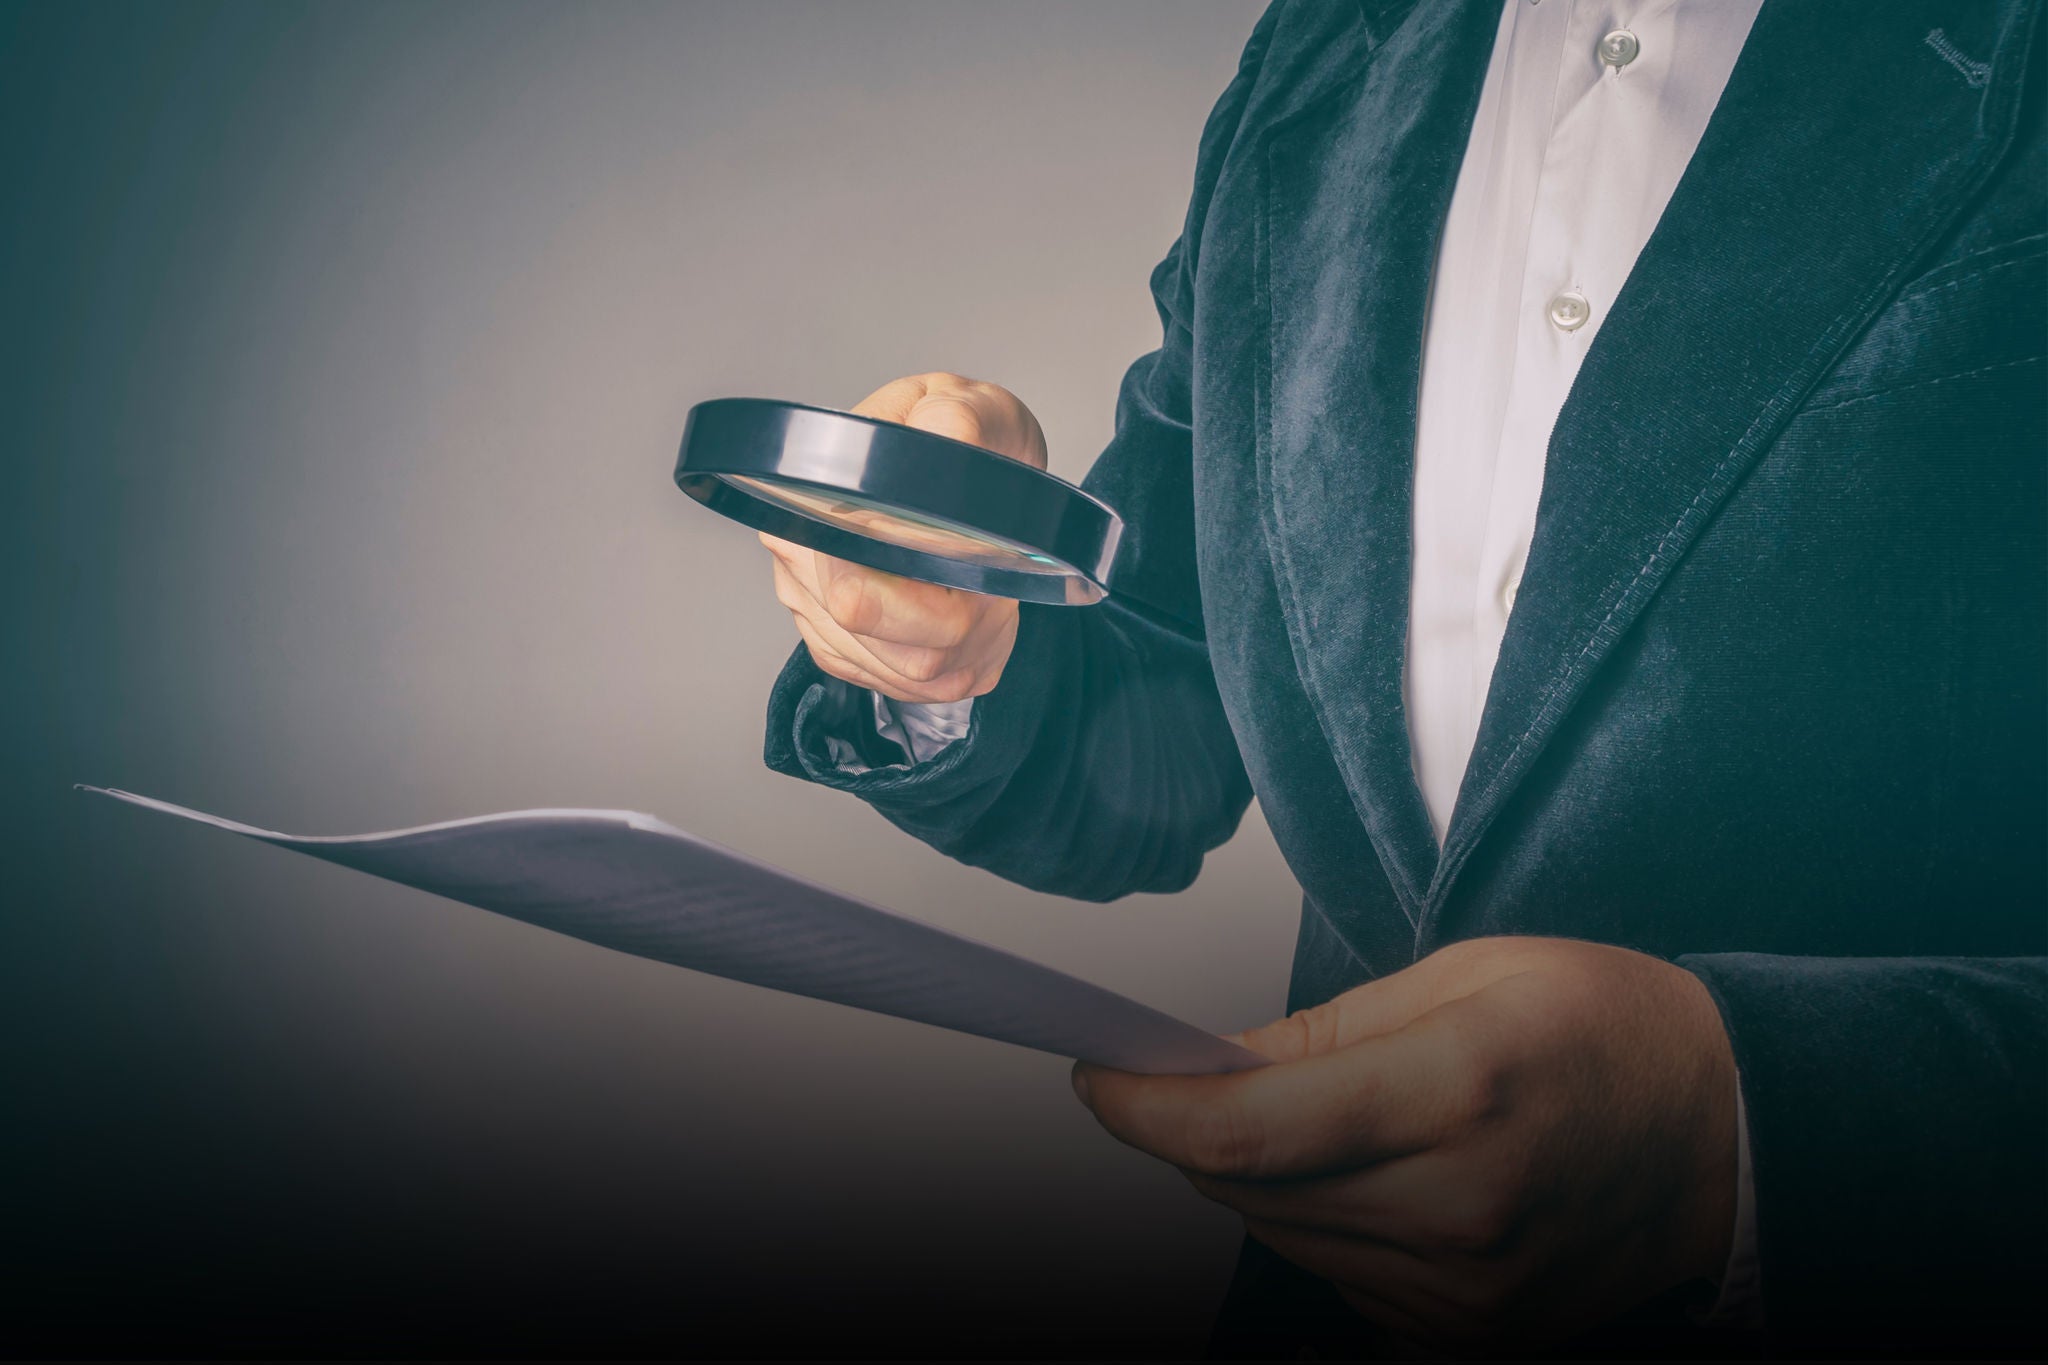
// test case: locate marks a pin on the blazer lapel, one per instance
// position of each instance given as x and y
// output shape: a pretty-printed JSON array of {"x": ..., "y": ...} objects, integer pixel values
[
  {"x": 1356, "y": 189},
  {"x": 1848, "y": 137}
]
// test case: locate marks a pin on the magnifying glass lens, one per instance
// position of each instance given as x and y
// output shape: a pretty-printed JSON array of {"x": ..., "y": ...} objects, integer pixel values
[
  {"x": 898, "y": 526},
  {"x": 900, "y": 500}
]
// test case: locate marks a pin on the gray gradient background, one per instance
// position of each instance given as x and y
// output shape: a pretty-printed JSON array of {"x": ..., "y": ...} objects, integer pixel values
[{"x": 346, "y": 349}]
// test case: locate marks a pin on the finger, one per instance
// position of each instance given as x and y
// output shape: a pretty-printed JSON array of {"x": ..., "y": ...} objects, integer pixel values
[
  {"x": 872, "y": 603},
  {"x": 894, "y": 400},
  {"x": 829, "y": 661},
  {"x": 891, "y": 609},
  {"x": 1377, "y": 1099},
  {"x": 957, "y": 416},
  {"x": 960, "y": 409},
  {"x": 949, "y": 686},
  {"x": 789, "y": 590},
  {"x": 913, "y": 629},
  {"x": 1428, "y": 1203},
  {"x": 829, "y": 646},
  {"x": 1382, "y": 1006}
]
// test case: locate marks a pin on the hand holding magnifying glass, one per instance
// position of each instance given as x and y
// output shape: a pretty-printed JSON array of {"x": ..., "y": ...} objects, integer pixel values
[{"x": 905, "y": 638}]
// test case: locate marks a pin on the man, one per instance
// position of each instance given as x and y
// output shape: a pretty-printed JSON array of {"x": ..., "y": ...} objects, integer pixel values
[{"x": 1591, "y": 489}]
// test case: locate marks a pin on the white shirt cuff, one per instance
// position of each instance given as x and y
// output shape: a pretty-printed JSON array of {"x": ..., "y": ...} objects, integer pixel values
[
  {"x": 1741, "y": 1304},
  {"x": 922, "y": 730}
]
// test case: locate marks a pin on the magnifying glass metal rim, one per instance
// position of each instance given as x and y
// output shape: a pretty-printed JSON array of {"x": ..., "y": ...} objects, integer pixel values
[{"x": 896, "y": 466}]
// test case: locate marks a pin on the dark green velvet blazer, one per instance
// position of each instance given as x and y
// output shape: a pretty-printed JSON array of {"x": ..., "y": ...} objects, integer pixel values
[{"x": 1771, "y": 702}]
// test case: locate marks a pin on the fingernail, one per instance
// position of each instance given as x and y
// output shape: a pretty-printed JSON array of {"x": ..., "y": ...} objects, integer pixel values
[{"x": 1081, "y": 1085}]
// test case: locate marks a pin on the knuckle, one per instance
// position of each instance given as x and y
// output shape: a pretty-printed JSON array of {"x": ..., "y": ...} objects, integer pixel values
[
  {"x": 1223, "y": 1142},
  {"x": 1485, "y": 1224},
  {"x": 896, "y": 396},
  {"x": 1478, "y": 1080},
  {"x": 921, "y": 665},
  {"x": 1319, "y": 1030},
  {"x": 852, "y": 602},
  {"x": 955, "y": 691},
  {"x": 1476, "y": 1092},
  {"x": 950, "y": 628},
  {"x": 1293, "y": 1035},
  {"x": 950, "y": 414}
]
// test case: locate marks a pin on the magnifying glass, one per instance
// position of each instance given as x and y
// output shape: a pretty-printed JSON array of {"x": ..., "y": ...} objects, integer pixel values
[{"x": 901, "y": 500}]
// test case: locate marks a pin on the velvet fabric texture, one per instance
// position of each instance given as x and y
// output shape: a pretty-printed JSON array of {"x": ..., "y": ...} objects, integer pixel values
[{"x": 1773, "y": 701}]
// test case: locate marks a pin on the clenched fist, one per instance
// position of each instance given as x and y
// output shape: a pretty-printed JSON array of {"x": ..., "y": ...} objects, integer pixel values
[{"x": 909, "y": 640}]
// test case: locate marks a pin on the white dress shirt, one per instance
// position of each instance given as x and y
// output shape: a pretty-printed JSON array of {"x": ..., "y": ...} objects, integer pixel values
[{"x": 1590, "y": 113}]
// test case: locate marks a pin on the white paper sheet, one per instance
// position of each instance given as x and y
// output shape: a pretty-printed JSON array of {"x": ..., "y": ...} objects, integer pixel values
[{"x": 631, "y": 882}]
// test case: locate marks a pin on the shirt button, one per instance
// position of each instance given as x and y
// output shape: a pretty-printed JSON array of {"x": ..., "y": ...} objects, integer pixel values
[
  {"x": 1569, "y": 311},
  {"x": 1507, "y": 595},
  {"x": 1619, "y": 48}
]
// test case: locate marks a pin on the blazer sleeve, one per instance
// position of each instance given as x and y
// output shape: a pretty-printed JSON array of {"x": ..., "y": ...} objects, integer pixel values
[
  {"x": 1898, "y": 1129},
  {"x": 1102, "y": 763}
]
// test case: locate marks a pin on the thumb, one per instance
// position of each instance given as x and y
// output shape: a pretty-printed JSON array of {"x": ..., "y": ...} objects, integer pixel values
[
  {"x": 961, "y": 409},
  {"x": 1384, "y": 1006}
]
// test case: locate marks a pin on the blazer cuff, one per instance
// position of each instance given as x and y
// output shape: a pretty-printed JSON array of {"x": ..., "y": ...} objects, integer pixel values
[
  {"x": 1895, "y": 1121},
  {"x": 823, "y": 730}
]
